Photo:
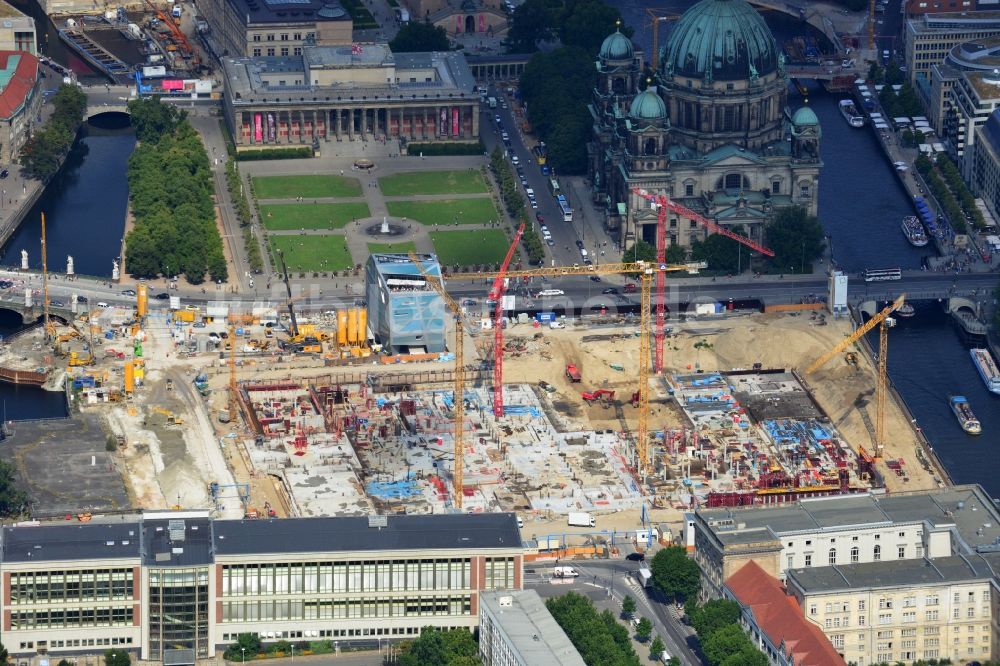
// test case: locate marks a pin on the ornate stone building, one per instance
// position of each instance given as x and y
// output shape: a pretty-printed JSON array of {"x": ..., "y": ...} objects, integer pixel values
[{"x": 712, "y": 131}]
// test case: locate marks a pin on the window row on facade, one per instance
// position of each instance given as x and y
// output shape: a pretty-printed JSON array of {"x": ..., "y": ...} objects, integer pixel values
[
  {"x": 69, "y": 586},
  {"x": 343, "y": 609},
  {"x": 73, "y": 617}
]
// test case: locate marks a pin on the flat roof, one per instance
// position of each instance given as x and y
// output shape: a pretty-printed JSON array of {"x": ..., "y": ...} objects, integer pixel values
[
  {"x": 457, "y": 532},
  {"x": 898, "y": 573},
  {"x": 72, "y": 541},
  {"x": 968, "y": 508},
  {"x": 249, "y": 12},
  {"x": 401, "y": 264},
  {"x": 531, "y": 631},
  {"x": 177, "y": 542}
]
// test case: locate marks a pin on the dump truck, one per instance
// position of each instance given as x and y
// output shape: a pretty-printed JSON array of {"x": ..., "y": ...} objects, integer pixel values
[{"x": 572, "y": 373}]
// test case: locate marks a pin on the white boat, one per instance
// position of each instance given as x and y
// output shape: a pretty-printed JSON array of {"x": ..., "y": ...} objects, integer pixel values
[
  {"x": 987, "y": 368},
  {"x": 850, "y": 113},
  {"x": 966, "y": 419},
  {"x": 914, "y": 231},
  {"x": 905, "y": 311}
]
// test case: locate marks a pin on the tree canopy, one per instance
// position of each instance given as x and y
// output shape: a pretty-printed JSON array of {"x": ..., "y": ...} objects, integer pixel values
[
  {"x": 438, "y": 647},
  {"x": 417, "y": 37},
  {"x": 721, "y": 253},
  {"x": 723, "y": 641},
  {"x": 43, "y": 153},
  {"x": 151, "y": 118},
  {"x": 598, "y": 637},
  {"x": 532, "y": 22},
  {"x": 13, "y": 501},
  {"x": 117, "y": 658},
  {"x": 796, "y": 238},
  {"x": 246, "y": 644},
  {"x": 581, "y": 23},
  {"x": 675, "y": 574},
  {"x": 714, "y": 615},
  {"x": 170, "y": 188}
]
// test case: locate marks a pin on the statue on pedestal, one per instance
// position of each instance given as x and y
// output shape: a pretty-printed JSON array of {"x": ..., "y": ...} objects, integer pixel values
[
  {"x": 115, "y": 273},
  {"x": 69, "y": 265},
  {"x": 24, "y": 260}
]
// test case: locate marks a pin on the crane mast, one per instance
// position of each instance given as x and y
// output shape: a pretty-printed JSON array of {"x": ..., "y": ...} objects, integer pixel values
[{"x": 496, "y": 295}]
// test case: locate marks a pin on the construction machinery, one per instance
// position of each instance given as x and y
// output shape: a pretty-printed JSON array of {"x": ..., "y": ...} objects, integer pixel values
[
  {"x": 496, "y": 296},
  {"x": 572, "y": 373},
  {"x": 601, "y": 395},
  {"x": 646, "y": 272},
  {"x": 656, "y": 17},
  {"x": 662, "y": 203},
  {"x": 79, "y": 359},
  {"x": 458, "y": 399},
  {"x": 175, "y": 32},
  {"x": 300, "y": 341},
  {"x": 50, "y": 329},
  {"x": 172, "y": 419},
  {"x": 884, "y": 321}
]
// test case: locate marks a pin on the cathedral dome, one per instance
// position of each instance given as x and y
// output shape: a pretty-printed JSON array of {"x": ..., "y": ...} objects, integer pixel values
[
  {"x": 648, "y": 105},
  {"x": 724, "y": 40},
  {"x": 804, "y": 116},
  {"x": 617, "y": 46}
]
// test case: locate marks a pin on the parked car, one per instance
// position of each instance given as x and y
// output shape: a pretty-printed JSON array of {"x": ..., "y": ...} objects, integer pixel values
[
  {"x": 579, "y": 244},
  {"x": 128, "y": 292},
  {"x": 162, "y": 296},
  {"x": 636, "y": 557},
  {"x": 595, "y": 278},
  {"x": 610, "y": 290},
  {"x": 540, "y": 218}
]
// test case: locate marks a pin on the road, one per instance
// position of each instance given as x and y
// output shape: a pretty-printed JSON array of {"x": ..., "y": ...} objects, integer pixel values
[{"x": 607, "y": 583}]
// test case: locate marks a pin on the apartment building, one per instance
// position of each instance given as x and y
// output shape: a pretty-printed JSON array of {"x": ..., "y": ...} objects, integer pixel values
[
  {"x": 929, "y": 38},
  {"x": 17, "y": 30},
  {"x": 516, "y": 629},
  {"x": 987, "y": 170},
  {"x": 180, "y": 586},
  {"x": 916, "y": 609},
  {"x": 914, "y": 7}
]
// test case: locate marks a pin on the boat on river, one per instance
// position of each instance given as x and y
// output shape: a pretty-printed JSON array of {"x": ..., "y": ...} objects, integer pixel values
[
  {"x": 987, "y": 367},
  {"x": 851, "y": 114},
  {"x": 914, "y": 231},
  {"x": 905, "y": 311},
  {"x": 963, "y": 412}
]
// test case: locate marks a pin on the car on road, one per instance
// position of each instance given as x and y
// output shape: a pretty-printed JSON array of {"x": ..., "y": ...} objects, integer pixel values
[
  {"x": 549, "y": 292},
  {"x": 610, "y": 290},
  {"x": 6, "y": 284},
  {"x": 630, "y": 288},
  {"x": 534, "y": 205},
  {"x": 102, "y": 304},
  {"x": 497, "y": 118},
  {"x": 469, "y": 302},
  {"x": 4, "y": 173},
  {"x": 595, "y": 278},
  {"x": 543, "y": 228},
  {"x": 579, "y": 244},
  {"x": 81, "y": 299},
  {"x": 636, "y": 557},
  {"x": 540, "y": 218},
  {"x": 162, "y": 296},
  {"x": 524, "y": 182},
  {"x": 56, "y": 304},
  {"x": 550, "y": 242},
  {"x": 128, "y": 292},
  {"x": 198, "y": 324},
  {"x": 515, "y": 159},
  {"x": 588, "y": 262}
]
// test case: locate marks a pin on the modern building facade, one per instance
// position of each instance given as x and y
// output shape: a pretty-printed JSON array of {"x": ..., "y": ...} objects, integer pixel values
[
  {"x": 516, "y": 629},
  {"x": 711, "y": 130},
  {"x": 179, "y": 586},
  {"x": 17, "y": 30},
  {"x": 20, "y": 101},
  {"x": 775, "y": 622},
  {"x": 975, "y": 96},
  {"x": 351, "y": 93},
  {"x": 914, "y": 7},
  {"x": 405, "y": 314},
  {"x": 275, "y": 27},
  {"x": 987, "y": 171},
  {"x": 929, "y": 38}
]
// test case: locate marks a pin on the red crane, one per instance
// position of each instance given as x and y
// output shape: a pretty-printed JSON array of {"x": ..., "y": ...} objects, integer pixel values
[
  {"x": 663, "y": 203},
  {"x": 496, "y": 295}
]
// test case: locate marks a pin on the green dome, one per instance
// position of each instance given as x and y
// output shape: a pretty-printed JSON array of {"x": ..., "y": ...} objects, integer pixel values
[
  {"x": 617, "y": 46},
  {"x": 725, "y": 40},
  {"x": 647, "y": 105},
  {"x": 805, "y": 116}
]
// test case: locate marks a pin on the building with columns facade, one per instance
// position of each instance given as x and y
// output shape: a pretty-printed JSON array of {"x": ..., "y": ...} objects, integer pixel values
[
  {"x": 351, "y": 93},
  {"x": 711, "y": 130},
  {"x": 178, "y": 586}
]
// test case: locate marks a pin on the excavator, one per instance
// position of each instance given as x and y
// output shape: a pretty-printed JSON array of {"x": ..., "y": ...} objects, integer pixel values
[
  {"x": 604, "y": 396},
  {"x": 300, "y": 341}
]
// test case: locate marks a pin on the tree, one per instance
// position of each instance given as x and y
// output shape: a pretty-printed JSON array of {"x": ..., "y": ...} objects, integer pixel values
[
  {"x": 641, "y": 251},
  {"x": 585, "y": 24},
  {"x": 451, "y": 647},
  {"x": 151, "y": 118},
  {"x": 722, "y": 254},
  {"x": 531, "y": 23},
  {"x": 417, "y": 37},
  {"x": 675, "y": 574},
  {"x": 713, "y": 615},
  {"x": 796, "y": 239},
  {"x": 643, "y": 629},
  {"x": 4, "y": 657},
  {"x": 117, "y": 658},
  {"x": 748, "y": 656},
  {"x": 724, "y": 643},
  {"x": 675, "y": 254},
  {"x": 13, "y": 501},
  {"x": 893, "y": 75},
  {"x": 657, "y": 647},
  {"x": 628, "y": 606},
  {"x": 246, "y": 644},
  {"x": 62, "y": 662},
  {"x": 43, "y": 153},
  {"x": 600, "y": 639}
]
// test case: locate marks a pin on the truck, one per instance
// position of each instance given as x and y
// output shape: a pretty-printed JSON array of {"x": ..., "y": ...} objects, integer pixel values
[
  {"x": 564, "y": 572},
  {"x": 644, "y": 577},
  {"x": 581, "y": 519},
  {"x": 175, "y": 302},
  {"x": 572, "y": 374},
  {"x": 492, "y": 101}
]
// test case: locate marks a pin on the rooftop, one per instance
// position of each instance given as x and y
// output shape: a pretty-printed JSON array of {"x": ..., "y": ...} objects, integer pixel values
[
  {"x": 953, "y": 21},
  {"x": 401, "y": 264},
  {"x": 288, "y": 11},
  {"x": 531, "y": 631},
  {"x": 779, "y": 616},
  {"x": 974, "y": 515},
  {"x": 71, "y": 541},
  {"x": 8, "y": 11},
  {"x": 901, "y": 573},
  {"x": 18, "y": 75}
]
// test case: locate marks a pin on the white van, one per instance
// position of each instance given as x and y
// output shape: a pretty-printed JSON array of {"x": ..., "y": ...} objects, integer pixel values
[
  {"x": 530, "y": 192},
  {"x": 550, "y": 292},
  {"x": 583, "y": 253},
  {"x": 565, "y": 572},
  {"x": 665, "y": 657}
]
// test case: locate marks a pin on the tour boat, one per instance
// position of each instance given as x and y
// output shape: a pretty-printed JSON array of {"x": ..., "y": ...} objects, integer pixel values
[
  {"x": 987, "y": 368},
  {"x": 850, "y": 113},
  {"x": 914, "y": 231},
  {"x": 963, "y": 413}
]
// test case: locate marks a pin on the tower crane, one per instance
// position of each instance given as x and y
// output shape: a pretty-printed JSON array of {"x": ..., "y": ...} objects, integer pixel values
[
  {"x": 496, "y": 295},
  {"x": 656, "y": 16},
  {"x": 646, "y": 272},
  {"x": 884, "y": 321},
  {"x": 662, "y": 203},
  {"x": 458, "y": 401}
]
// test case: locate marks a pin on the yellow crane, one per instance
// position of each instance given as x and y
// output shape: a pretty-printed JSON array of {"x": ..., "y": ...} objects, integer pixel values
[
  {"x": 233, "y": 387},
  {"x": 884, "y": 321},
  {"x": 646, "y": 272},
  {"x": 458, "y": 402}
]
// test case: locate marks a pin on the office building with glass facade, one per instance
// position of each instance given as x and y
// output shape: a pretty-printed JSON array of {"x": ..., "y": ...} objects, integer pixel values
[{"x": 179, "y": 586}]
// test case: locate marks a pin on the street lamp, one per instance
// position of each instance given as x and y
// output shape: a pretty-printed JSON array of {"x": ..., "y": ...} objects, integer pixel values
[{"x": 243, "y": 652}]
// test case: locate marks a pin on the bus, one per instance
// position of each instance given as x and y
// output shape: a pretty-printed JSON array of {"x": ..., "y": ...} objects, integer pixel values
[
  {"x": 883, "y": 274},
  {"x": 539, "y": 153},
  {"x": 554, "y": 187},
  {"x": 567, "y": 212}
]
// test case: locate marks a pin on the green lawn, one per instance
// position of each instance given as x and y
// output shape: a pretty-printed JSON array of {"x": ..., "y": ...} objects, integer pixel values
[
  {"x": 470, "y": 247},
  {"x": 446, "y": 212},
  {"x": 313, "y": 253},
  {"x": 290, "y": 187},
  {"x": 311, "y": 216},
  {"x": 433, "y": 182},
  {"x": 391, "y": 248}
]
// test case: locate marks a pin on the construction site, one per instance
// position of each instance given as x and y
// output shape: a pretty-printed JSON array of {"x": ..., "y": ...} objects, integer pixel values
[{"x": 276, "y": 409}]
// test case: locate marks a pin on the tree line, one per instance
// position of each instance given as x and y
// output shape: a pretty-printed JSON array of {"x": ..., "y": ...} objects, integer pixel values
[
  {"x": 43, "y": 153},
  {"x": 171, "y": 189},
  {"x": 514, "y": 203}
]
